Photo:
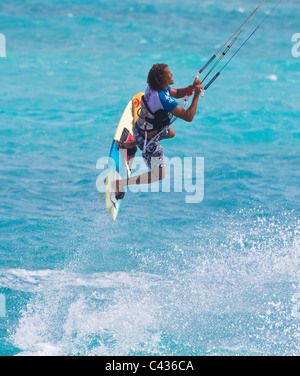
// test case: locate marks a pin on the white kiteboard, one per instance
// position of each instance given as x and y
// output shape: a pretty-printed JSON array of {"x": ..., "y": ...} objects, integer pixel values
[{"x": 120, "y": 160}]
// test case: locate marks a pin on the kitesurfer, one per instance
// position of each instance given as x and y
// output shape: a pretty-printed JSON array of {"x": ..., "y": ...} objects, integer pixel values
[{"x": 158, "y": 106}]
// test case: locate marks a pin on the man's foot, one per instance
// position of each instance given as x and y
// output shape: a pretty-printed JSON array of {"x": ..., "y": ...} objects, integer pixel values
[
  {"x": 115, "y": 197},
  {"x": 118, "y": 191}
]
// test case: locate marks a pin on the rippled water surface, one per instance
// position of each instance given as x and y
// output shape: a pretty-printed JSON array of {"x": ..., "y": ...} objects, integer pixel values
[{"x": 220, "y": 277}]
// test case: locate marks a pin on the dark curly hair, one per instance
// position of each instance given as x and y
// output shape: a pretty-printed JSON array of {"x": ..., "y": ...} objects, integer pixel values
[{"x": 155, "y": 77}]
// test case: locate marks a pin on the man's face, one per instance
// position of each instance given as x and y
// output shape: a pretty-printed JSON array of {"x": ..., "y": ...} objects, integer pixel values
[{"x": 168, "y": 76}]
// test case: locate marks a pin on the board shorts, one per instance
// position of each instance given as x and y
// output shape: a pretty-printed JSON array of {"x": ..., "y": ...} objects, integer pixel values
[{"x": 153, "y": 155}]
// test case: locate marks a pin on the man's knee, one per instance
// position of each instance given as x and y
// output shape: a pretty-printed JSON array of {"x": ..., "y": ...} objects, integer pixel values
[{"x": 171, "y": 134}]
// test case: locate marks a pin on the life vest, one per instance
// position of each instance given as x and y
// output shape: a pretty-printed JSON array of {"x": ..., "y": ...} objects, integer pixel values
[{"x": 149, "y": 121}]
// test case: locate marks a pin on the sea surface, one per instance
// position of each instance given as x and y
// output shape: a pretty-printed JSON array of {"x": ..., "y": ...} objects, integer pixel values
[{"x": 219, "y": 277}]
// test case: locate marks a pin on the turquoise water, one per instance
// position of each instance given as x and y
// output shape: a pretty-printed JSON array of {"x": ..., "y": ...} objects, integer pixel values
[{"x": 167, "y": 278}]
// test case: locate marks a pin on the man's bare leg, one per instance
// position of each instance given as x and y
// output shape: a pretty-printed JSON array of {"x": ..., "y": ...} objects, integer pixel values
[{"x": 152, "y": 176}]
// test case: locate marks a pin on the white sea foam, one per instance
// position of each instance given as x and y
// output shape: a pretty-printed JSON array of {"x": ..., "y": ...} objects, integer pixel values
[
  {"x": 87, "y": 314},
  {"x": 124, "y": 313},
  {"x": 272, "y": 77}
]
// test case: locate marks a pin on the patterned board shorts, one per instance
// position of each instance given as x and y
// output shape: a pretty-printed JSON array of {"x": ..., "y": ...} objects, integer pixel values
[{"x": 153, "y": 155}]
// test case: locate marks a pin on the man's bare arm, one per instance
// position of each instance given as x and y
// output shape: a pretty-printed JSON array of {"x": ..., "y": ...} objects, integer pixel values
[{"x": 189, "y": 114}]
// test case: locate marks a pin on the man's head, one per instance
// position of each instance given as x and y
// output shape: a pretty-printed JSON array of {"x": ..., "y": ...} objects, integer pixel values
[{"x": 160, "y": 77}]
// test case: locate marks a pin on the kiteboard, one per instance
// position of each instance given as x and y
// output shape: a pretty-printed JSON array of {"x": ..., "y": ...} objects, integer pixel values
[{"x": 120, "y": 159}]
